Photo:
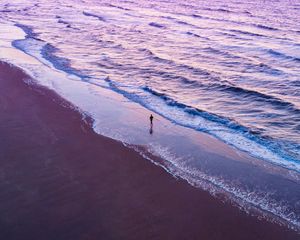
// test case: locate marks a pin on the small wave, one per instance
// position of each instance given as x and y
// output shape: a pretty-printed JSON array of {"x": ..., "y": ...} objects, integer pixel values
[
  {"x": 27, "y": 29},
  {"x": 266, "y": 27},
  {"x": 193, "y": 34},
  {"x": 197, "y": 16},
  {"x": 194, "y": 70},
  {"x": 157, "y": 25},
  {"x": 235, "y": 36},
  {"x": 177, "y": 21},
  {"x": 63, "y": 22},
  {"x": 163, "y": 60},
  {"x": 146, "y": 50},
  {"x": 6, "y": 11},
  {"x": 46, "y": 50},
  {"x": 168, "y": 17},
  {"x": 268, "y": 69},
  {"x": 262, "y": 68},
  {"x": 282, "y": 55},
  {"x": 220, "y": 52},
  {"x": 218, "y": 10},
  {"x": 183, "y": 23},
  {"x": 94, "y": 15},
  {"x": 254, "y": 95},
  {"x": 119, "y": 7},
  {"x": 150, "y": 54},
  {"x": 67, "y": 24},
  {"x": 247, "y": 33},
  {"x": 295, "y": 83},
  {"x": 26, "y": 9},
  {"x": 169, "y": 76},
  {"x": 214, "y": 19}
]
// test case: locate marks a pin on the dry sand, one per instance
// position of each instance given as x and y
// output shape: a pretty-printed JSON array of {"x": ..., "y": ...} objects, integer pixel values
[{"x": 60, "y": 180}]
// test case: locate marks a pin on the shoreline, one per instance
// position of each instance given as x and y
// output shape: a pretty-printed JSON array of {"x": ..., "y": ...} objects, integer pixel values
[
  {"x": 62, "y": 180},
  {"x": 194, "y": 156}
]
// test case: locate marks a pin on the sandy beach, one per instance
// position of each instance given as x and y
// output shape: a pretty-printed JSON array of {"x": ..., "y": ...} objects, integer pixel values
[{"x": 60, "y": 180}]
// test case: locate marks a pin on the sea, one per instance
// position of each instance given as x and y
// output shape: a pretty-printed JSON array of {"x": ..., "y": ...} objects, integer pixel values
[{"x": 228, "y": 69}]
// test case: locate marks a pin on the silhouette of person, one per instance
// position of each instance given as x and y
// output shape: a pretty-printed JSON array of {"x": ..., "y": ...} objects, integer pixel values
[
  {"x": 151, "y": 124},
  {"x": 151, "y": 119}
]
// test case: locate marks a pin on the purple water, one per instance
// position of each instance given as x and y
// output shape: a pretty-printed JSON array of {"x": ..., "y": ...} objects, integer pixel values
[{"x": 227, "y": 68}]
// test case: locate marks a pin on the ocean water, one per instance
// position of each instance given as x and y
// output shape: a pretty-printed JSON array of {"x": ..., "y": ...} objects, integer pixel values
[{"x": 228, "y": 68}]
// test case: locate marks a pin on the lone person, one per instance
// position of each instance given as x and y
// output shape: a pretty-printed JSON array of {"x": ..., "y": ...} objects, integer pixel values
[
  {"x": 151, "y": 124},
  {"x": 151, "y": 119}
]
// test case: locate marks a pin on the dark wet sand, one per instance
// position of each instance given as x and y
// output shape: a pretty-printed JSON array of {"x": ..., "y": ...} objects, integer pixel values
[{"x": 60, "y": 180}]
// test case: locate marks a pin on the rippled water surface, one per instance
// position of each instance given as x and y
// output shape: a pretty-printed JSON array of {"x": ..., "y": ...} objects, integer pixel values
[{"x": 228, "y": 68}]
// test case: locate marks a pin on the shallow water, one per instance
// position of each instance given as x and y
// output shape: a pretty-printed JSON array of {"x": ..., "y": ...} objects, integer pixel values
[{"x": 228, "y": 68}]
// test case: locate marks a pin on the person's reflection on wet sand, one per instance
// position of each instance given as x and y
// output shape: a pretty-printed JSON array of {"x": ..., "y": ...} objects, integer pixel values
[
  {"x": 151, "y": 129},
  {"x": 151, "y": 124}
]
